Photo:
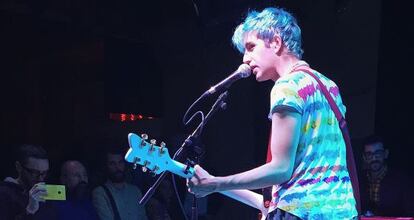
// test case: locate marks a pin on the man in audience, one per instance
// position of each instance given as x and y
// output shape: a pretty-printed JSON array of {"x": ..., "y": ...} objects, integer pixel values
[
  {"x": 22, "y": 197},
  {"x": 78, "y": 204},
  {"x": 385, "y": 191},
  {"x": 117, "y": 199}
]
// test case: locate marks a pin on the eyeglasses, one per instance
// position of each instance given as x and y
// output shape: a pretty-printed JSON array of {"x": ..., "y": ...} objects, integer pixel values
[
  {"x": 36, "y": 173},
  {"x": 377, "y": 153}
]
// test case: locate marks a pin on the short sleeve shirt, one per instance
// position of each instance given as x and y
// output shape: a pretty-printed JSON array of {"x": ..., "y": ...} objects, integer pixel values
[{"x": 320, "y": 186}]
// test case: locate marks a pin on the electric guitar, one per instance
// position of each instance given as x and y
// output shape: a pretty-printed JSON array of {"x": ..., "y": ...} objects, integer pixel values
[{"x": 156, "y": 159}]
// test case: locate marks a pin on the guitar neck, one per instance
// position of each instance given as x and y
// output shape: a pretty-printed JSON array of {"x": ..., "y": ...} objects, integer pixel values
[
  {"x": 156, "y": 159},
  {"x": 246, "y": 197},
  {"x": 180, "y": 169}
]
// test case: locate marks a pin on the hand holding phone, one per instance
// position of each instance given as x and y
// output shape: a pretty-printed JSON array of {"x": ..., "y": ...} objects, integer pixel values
[{"x": 36, "y": 194}]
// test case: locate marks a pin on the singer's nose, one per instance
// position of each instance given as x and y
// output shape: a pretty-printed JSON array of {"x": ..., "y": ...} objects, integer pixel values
[{"x": 246, "y": 59}]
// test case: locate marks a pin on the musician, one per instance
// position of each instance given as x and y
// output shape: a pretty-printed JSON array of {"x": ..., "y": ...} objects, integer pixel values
[{"x": 308, "y": 169}]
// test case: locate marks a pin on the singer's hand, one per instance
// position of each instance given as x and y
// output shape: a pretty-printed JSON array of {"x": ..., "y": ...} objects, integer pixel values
[{"x": 201, "y": 184}]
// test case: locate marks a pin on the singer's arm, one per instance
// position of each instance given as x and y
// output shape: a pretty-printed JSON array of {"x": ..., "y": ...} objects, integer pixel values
[
  {"x": 285, "y": 138},
  {"x": 247, "y": 197}
]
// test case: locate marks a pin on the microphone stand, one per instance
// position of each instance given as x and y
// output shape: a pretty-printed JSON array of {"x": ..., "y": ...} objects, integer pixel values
[{"x": 219, "y": 104}]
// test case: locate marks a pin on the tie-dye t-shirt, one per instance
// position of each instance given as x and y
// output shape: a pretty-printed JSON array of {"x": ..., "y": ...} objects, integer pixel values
[{"x": 320, "y": 186}]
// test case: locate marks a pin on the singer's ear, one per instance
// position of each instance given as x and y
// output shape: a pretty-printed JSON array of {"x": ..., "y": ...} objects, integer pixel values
[{"x": 276, "y": 44}]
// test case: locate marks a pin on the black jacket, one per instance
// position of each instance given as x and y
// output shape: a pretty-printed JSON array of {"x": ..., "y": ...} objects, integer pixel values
[{"x": 13, "y": 202}]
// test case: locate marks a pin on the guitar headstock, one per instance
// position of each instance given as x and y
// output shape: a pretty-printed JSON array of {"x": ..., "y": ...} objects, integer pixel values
[{"x": 150, "y": 156}]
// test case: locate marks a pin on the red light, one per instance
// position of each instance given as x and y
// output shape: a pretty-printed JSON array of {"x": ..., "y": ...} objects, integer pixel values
[{"x": 123, "y": 117}]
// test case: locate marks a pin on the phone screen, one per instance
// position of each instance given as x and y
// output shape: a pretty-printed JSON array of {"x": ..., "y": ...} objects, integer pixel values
[{"x": 55, "y": 192}]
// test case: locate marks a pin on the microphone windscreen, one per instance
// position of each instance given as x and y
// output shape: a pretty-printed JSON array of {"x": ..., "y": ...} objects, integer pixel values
[{"x": 244, "y": 70}]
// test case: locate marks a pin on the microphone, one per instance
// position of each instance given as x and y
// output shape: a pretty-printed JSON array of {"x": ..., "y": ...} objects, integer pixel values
[{"x": 243, "y": 71}]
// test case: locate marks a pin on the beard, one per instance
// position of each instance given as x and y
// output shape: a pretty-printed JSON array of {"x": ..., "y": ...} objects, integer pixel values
[
  {"x": 375, "y": 165},
  {"x": 117, "y": 177}
]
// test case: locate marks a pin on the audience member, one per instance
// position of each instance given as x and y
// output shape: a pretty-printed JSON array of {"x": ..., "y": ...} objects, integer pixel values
[
  {"x": 22, "y": 197},
  {"x": 116, "y": 199},
  {"x": 385, "y": 190},
  {"x": 78, "y": 204}
]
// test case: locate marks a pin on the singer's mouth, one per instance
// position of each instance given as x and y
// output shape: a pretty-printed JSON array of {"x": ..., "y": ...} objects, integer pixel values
[{"x": 254, "y": 69}]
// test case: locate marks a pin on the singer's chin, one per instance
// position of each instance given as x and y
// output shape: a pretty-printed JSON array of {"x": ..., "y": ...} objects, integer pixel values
[
  {"x": 257, "y": 75},
  {"x": 259, "y": 78}
]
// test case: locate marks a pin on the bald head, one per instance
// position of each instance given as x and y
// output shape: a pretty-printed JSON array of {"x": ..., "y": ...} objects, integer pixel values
[{"x": 72, "y": 173}]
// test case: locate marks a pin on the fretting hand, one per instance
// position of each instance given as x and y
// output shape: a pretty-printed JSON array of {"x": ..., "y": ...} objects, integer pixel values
[{"x": 201, "y": 184}]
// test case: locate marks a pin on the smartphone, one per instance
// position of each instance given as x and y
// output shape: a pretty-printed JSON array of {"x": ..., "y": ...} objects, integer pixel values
[{"x": 55, "y": 192}]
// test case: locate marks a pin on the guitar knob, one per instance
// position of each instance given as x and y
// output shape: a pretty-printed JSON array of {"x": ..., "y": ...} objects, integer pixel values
[
  {"x": 144, "y": 166},
  {"x": 136, "y": 160},
  {"x": 162, "y": 148},
  {"x": 154, "y": 171},
  {"x": 144, "y": 138},
  {"x": 153, "y": 142}
]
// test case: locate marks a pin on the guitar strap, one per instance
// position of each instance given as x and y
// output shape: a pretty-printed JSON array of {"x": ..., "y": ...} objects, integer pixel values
[
  {"x": 113, "y": 204},
  {"x": 350, "y": 161}
]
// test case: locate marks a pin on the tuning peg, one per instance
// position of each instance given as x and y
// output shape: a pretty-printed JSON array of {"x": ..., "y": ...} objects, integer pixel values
[
  {"x": 144, "y": 166},
  {"x": 136, "y": 160},
  {"x": 162, "y": 147},
  {"x": 153, "y": 142},
  {"x": 154, "y": 171},
  {"x": 144, "y": 138}
]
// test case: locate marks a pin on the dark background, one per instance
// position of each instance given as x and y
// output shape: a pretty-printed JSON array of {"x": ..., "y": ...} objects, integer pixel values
[{"x": 66, "y": 65}]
